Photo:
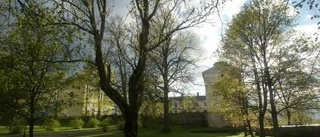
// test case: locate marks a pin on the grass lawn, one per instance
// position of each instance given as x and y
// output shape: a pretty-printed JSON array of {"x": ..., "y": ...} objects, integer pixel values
[{"x": 177, "y": 131}]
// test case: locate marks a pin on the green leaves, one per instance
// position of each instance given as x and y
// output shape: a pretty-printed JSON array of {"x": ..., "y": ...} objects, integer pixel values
[{"x": 28, "y": 63}]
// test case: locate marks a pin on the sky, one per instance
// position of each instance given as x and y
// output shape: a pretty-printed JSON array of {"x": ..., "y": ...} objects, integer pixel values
[{"x": 210, "y": 34}]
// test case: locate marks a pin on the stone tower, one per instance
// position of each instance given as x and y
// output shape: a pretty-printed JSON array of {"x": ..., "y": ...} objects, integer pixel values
[{"x": 210, "y": 76}]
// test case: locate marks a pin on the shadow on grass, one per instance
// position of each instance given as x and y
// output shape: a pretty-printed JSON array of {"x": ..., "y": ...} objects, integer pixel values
[{"x": 177, "y": 131}]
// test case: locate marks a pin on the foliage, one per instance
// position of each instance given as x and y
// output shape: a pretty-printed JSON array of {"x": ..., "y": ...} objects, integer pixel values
[
  {"x": 29, "y": 70},
  {"x": 91, "y": 19},
  {"x": 51, "y": 124},
  {"x": 120, "y": 125},
  {"x": 189, "y": 103},
  {"x": 17, "y": 129},
  {"x": 93, "y": 123},
  {"x": 272, "y": 58},
  {"x": 17, "y": 126},
  {"x": 85, "y": 83},
  {"x": 150, "y": 110},
  {"x": 300, "y": 131},
  {"x": 104, "y": 124},
  {"x": 76, "y": 123}
]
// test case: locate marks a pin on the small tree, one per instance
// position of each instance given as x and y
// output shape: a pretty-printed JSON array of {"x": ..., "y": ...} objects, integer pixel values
[
  {"x": 28, "y": 68},
  {"x": 77, "y": 123}
]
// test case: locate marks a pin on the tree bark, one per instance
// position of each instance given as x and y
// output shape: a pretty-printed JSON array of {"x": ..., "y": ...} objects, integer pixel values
[
  {"x": 248, "y": 121},
  {"x": 249, "y": 127},
  {"x": 166, "y": 118},
  {"x": 86, "y": 103},
  {"x": 262, "y": 94},
  {"x": 31, "y": 117},
  {"x": 288, "y": 116},
  {"x": 131, "y": 123},
  {"x": 31, "y": 126},
  {"x": 274, "y": 113}
]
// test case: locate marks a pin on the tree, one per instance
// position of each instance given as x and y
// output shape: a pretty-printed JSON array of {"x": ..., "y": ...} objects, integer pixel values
[
  {"x": 27, "y": 66},
  {"x": 86, "y": 81},
  {"x": 91, "y": 16},
  {"x": 296, "y": 91},
  {"x": 233, "y": 96},
  {"x": 173, "y": 63},
  {"x": 188, "y": 103},
  {"x": 261, "y": 32}
]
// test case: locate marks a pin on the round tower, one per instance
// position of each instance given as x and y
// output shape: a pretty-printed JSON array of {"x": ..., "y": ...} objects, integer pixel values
[{"x": 210, "y": 76}]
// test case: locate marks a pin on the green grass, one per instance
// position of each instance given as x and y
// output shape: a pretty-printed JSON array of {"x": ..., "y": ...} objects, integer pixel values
[
  {"x": 3, "y": 130},
  {"x": 177, "y": 131}
]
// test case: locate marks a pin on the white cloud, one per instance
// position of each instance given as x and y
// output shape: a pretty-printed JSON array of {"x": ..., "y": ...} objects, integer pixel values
[
  {"x": 309, "y": 30},
  {"x": 120, "y": 7},
  {"x": 232, "y": 7},
  {"x": 210, "y": 36}
]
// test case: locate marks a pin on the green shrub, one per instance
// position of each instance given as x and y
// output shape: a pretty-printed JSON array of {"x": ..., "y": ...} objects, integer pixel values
[
  {"x": 148, "y": 124},
  {"x": 51, "y": 125},
  {"x": 120, "y": 125},
  {"x": 17, "y": 126},
  {"x": 76, "y": 123},
  {"x": 93, "y": 123},
  {"x": 104, "y": 124},
  {"x": 17, "y": 129}
]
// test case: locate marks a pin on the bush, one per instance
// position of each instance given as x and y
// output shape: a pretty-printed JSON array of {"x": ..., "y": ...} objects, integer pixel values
[
  {"x": 104, "y": 124},
  {"x": 51, "y": 125},
  {"x": 17, "y": 129},
  {"x": 148, "y": 124},
  {"x": 76, "y": 123},
  {"x": 16, "y": 126},
  {"x": 120, "y": 125},
  {"x": 93, "y": 123},
  {"x": 300, "y": 131}
]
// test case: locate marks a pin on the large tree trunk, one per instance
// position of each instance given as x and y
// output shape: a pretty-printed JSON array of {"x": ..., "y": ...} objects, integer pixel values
[
  {"x": 262, "y": 94},
  {"x": 31, "y": 126},
  {"x": 269, "y": 83},
  {"x": 136, "y": 88},
  {"x": 247, "y": 119},
  {"x": 261, "y": 126},
  {"x": 31, "y": 117},
  {"x": 131, "y": 123},
  {"x": 166, "y": 118},
  {"x": 274, "y": 114}
]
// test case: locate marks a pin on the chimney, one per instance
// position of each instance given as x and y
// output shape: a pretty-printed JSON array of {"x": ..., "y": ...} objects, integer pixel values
[{"x": 197, "y": 94}]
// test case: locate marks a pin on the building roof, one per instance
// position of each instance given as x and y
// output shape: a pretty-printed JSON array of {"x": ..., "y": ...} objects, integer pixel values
[
  {"x": 209, "y": 71},
  {"x": 198, "y": 98},
  {"x": 215, "y": 67}
]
